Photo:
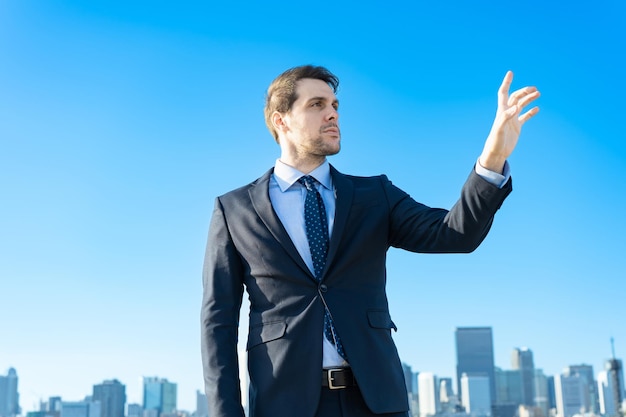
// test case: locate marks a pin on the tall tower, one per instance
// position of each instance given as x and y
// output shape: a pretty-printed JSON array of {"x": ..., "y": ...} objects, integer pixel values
[
  {"x": 591, "y": 392},
  {"x": 474, "y": 356},
  {"x": 522, "y": 360},
  {"x": 159, "y": 396},
  {"x": 611, "y": 385},
  {"x": 428, "y": 391},
  {"x": 9, "y": 397},
  {"x": 570, "y": 391},
  {"x": 408, "y": 377},
  {"x": 202, "y": 406},
  {"x": 112, "y": 397},
  {"x": 542, "y": 394},
  {"x": 508, "y": 387},
  {"x": 476, "y": 397}
]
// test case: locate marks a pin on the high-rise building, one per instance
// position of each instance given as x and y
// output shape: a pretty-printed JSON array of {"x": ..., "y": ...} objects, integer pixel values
[
  {"x": 551, "y": 392},
  {"x": 408, "y": 377},
  {"x": 508, "y": 387},
  {"x": 134, "y": 410},
  {"x": 522, "y": 360},
  {"x": 591, "y": 391},
  {"x": 476, "y": 398},
  {"x": 202, "y": 406},
  {"x": 112, "y": 397},
  {"x": 446, "y": 392},
  {"x": 570, "y": 391},
  {"x": 447, "y": 399},
  {"x": 159, "y": 396},
  {"x": 605, "y": 391},
  {"x": 542, "y": 393},
  {"x": 611, "y": 387},
  {"x": 53, "y": 404},
  {"x": 85, "y": 408},
  {"x": 474, "y": 356},
  {"x": 9, "y": 396},
  {"x": 428, "y": 394}
]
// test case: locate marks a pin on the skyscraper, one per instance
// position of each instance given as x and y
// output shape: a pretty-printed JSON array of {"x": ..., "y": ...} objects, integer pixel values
[
  {"x": 159, "y": 396},
  {"x": 202, "y": 406},
  {"x": 80, "y": 409},
  {"x": 591, "y": 391},
  {"x": 476, "y": 397},
  {"x": 134, "y": 410},
  {"x": 445, "y": 389},
  {"x": 522, "y": 360},
  {"x": 611, "y": 387},
  {"x": 428, "y": 392},
  {"x": 9, "y": 397},
  {"x": 447, "y": 400},
  {"x": 474, "y": 356},
  {"x": 508, "y": 387},
  {"x": 570, "y": 393},
  {"x": 53, "y": 404},
  {"x": 112, "y": 397},
  {"x": 542, "y": 393},
  {"x": 408, "y": 377}
]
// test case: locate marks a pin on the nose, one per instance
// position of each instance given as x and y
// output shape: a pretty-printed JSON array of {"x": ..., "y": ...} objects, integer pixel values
[{"x": 333, "y": 114}]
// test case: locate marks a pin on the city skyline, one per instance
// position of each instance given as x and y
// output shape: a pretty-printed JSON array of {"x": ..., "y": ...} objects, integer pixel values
[
  {"x": 138, "y": 396},
  {"x": 121, "y": 122},
  {"x": 573, "y": 392}
]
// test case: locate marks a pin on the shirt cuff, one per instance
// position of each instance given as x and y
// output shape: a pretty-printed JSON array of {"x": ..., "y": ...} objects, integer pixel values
[{"x": 493, "y": 177}]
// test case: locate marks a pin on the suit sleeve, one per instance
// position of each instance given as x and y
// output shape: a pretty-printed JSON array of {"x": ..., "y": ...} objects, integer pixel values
[
  {"x": 418, "y": 228},
  {"x": 221, "y": 304}
]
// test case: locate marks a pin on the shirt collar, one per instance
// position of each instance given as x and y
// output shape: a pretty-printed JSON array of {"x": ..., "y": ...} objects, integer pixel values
[{"x": 287, "y": 175}]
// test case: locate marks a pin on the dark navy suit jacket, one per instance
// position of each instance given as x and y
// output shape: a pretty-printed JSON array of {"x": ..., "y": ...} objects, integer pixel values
[{"x": 249, "y": 248}]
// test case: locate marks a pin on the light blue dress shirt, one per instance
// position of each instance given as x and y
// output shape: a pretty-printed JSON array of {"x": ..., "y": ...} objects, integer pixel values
[{"x": 287, "y": 196}]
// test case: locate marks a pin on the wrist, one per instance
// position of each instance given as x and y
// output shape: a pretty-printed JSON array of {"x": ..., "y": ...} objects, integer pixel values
[{"x": 492, "y": 163}]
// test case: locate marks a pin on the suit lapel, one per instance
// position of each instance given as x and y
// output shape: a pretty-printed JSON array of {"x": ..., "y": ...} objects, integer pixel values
[
  {"x": 344, "y": 192},
  {"x": 259, "y": 195}
]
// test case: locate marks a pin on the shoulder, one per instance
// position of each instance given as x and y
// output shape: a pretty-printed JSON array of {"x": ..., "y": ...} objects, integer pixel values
[
  {"x": 366, "y": 188},
  {"x": 357, "y": 179},
  {"x": 243, "y": 192}
]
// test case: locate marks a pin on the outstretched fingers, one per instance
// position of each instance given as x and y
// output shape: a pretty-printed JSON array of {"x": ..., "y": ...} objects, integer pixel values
[
  {"x": 503, "y": 91},
  {"x": 526, "y": 116},
  {"x": 523, "y": 96}
]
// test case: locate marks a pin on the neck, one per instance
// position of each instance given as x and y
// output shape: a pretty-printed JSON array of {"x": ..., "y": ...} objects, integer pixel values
[{"x": 304, "y": 165}]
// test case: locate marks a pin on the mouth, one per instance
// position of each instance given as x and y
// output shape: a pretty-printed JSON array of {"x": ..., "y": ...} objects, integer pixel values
[{"x": 333, "y": 129}]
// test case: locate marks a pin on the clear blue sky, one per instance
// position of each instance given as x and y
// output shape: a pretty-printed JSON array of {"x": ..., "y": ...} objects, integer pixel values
[{"x": 120, "y": 124}]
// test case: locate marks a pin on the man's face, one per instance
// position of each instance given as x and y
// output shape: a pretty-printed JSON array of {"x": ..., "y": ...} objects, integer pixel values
[{"x": 312, "y": 124}]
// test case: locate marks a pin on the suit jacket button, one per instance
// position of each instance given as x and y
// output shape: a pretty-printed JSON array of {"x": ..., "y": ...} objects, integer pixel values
[{"x": 323, "y": 288}]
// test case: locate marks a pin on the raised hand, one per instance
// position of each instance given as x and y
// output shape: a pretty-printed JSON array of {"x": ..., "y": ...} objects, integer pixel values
[{"x": 508, "y": 123}]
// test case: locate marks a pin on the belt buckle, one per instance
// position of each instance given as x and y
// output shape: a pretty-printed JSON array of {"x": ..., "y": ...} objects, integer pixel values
[{"x": 331, "y": 384}]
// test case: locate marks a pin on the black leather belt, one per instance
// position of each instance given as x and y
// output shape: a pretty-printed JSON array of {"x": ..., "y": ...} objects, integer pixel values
[{"x": 338, "y": 378}]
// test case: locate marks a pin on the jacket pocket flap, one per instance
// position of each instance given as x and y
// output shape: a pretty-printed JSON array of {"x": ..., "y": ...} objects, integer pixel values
[
  {"x": 265, "y": 332},
  {"x": 380, "y": 319}
]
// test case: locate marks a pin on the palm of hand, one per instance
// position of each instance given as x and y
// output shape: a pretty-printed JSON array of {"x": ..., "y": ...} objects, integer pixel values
[{"x": 508, "y": 123}]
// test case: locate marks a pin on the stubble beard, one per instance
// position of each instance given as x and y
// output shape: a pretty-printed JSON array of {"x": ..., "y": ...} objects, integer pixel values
[{"x": 325, "y": 148}]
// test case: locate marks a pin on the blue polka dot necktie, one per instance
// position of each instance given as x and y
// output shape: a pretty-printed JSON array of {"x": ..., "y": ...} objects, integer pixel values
[{"x": 317, "y": 234}]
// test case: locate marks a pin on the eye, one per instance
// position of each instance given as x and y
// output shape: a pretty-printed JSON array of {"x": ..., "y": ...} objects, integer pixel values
[{"x": 316, "y": 104}]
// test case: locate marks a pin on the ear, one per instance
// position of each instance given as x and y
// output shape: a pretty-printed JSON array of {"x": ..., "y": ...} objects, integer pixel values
[{"x": 278, "y": 121}]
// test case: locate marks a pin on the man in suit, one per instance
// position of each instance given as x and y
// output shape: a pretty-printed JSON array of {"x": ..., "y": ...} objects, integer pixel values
[{"x": 308, "y": 244}]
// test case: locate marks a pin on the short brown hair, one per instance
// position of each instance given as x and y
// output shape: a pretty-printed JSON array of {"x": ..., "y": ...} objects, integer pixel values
[{"x": 281, "y": 94}]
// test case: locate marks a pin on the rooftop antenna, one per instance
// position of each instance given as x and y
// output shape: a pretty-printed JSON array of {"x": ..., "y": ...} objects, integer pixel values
[{"x": 612, "y": 347}]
